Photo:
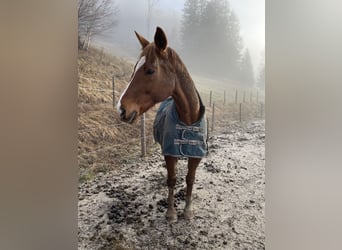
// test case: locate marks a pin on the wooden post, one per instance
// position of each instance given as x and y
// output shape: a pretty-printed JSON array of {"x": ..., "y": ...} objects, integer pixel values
[
  {"x": 236, "y": 96},
  {"x": 210, "y": 98},
  {"x": 142, "y": 134},
  {"x": 113, "y": 81},
  {"x": 208, "y": 132},
  {"x": 213, "y": 118},
  {"x": 240, "y": 111},
  {"x": 224, "y": 98},
  {"x": 101, "y": 55}
]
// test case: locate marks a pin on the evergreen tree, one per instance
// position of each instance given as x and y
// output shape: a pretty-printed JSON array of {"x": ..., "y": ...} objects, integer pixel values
[
  {"x": 234, "y": 46},
  {"x": 190, "y": 28},
  {"x": 260, "y": 83},
  {"x": 246, "y": 70},
  {"x": 261, "y": 78},
  {"x": 214, "y": 37},
  {"x": 211, "y": 38}
]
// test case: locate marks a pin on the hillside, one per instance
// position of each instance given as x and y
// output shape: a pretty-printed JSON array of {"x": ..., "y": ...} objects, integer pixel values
[{"x": 104, "y": 141}]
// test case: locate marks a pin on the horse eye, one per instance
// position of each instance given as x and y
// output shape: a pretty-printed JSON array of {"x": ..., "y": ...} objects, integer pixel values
[{"x": 149, "y": 71}]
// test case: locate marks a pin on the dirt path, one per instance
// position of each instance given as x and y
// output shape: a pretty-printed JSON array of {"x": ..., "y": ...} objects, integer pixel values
[{"x": 126, "y": 209}]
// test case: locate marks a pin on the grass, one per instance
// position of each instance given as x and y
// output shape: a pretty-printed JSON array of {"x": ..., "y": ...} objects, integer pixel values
[{"x": 104, "y": 142}]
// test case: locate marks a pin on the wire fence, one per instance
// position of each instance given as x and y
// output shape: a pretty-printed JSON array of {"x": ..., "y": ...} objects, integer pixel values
[
  {"x": 222, "y": 108},
  {"x": 114, "y": 125},
  {"x": 241, "y": 95}
]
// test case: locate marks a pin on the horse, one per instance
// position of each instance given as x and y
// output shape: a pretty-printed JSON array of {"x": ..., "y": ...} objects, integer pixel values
[{"x": 161, "y": 76}]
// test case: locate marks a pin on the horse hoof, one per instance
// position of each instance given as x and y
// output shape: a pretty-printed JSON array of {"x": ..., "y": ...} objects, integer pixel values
[
  {"x": 188, "y": 214},
  {"x": 171, "y": 215}
]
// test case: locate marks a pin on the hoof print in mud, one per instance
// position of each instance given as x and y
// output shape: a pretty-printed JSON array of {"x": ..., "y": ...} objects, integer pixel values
[
  {"x": 162, "y": 205},
  {"x": 211, "y": 167},
  {"x": 180, "y": 195}
]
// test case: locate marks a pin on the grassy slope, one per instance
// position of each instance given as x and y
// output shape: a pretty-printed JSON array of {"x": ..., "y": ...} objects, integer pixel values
[{"x": 104, "y": 142}]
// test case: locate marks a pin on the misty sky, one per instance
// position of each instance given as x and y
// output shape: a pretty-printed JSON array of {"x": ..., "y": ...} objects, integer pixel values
[{"x": 168, "y": 14}]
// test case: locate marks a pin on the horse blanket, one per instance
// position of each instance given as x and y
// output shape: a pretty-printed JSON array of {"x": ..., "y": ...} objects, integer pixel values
[{"x": 175, "y": 137}]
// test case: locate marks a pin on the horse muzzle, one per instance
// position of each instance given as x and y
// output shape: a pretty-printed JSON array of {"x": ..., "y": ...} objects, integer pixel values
[{"x": 129, "y": 119}]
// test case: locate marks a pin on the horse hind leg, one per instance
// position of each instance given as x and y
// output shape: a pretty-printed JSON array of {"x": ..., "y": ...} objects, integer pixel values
[
  {"x": 171, "y": 162},
  {"x": 190, "y": 179}
]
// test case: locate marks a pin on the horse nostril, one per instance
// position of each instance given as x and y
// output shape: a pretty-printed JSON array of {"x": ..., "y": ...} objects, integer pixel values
[{"x": 122, "y": 113}]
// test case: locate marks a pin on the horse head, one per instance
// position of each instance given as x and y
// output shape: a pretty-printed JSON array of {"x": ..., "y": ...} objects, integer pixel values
[{"x": 152, "y": 81}]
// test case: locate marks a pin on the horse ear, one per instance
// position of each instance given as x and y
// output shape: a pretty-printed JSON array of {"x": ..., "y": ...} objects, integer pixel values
[
  {"x": 143, "y": 41},
  {"x": 160, "y": 39}
]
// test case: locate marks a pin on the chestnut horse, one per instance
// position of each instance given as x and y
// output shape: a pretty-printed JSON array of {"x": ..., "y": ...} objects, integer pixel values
[{"x": 160, "y": 75}]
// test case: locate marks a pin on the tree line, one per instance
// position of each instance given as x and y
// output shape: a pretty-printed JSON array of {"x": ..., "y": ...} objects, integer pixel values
[
  {"x": 210, "y": 36},
  {"x": 211, "y": 41},
  {"x": 94, "y": 17}
]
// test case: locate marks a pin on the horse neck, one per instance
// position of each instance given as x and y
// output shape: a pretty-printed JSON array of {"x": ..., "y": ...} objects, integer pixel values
[{"x": 185, "y": 95}]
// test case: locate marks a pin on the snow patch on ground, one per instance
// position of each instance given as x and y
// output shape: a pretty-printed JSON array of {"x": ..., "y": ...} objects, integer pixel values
[{"x": 126, "y": 209}]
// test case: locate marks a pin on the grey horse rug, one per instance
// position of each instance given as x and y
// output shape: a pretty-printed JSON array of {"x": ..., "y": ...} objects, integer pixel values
[{"x": 175, "y": 137}]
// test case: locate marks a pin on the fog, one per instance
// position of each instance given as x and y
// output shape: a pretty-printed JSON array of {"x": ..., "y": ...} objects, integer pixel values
[{"x": 132, "y": 16}]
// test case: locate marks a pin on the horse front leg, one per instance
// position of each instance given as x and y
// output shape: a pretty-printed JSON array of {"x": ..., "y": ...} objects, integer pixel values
[
  {"x": 190, "y": 179},
  {"x": 171, "y": 162}
]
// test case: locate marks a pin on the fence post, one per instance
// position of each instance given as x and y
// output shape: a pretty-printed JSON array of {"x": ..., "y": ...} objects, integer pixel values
[
  {"x": 213, "y": 118},
  {"x": 101, "y": 55},
  {"x": 224, "y": 98},
  {"x": 113, "y": 81},
  {"x": 240, "y": 111},
  {"x": 236, "y": 96},
  {"x": 208, "y": 132},
  {"x": 210, "y": 98},
  {"x": 142, "y": 134}
]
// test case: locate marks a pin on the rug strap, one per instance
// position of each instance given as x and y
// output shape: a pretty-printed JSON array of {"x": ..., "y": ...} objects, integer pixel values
[
  {"x": 191, "y": 128},
  {"x": 188, "y": 142}
]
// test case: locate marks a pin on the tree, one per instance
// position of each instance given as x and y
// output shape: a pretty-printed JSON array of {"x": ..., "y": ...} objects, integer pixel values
[
  {"x": 261, "y": 78},
  {"x": 234, "y": 46},
  {"x": 150, "y": 6},
  {"x": 190, "y": 29},
  {"x": 246, "y": 70},
  {"x": 211, "y": 37},
  {"x": 214, "y": 37},
  {"x": 260, "y": 82},
  {"x": 94, "y": 17}
]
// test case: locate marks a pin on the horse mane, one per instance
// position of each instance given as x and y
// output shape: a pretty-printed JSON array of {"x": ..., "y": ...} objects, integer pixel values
[{"x": 175, "y": 60}]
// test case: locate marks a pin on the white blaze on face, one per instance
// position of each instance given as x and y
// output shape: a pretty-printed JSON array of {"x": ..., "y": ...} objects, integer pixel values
[{"x": 137, "y": 67}]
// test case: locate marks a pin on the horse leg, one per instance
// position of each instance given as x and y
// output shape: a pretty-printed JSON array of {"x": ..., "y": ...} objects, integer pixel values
[
  {"x": 171, "y": 162},
  {"x": 190, "y": 178}
]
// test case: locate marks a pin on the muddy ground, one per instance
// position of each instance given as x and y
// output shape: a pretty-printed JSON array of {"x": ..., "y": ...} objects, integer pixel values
[{"x": 125, "y": 209}]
